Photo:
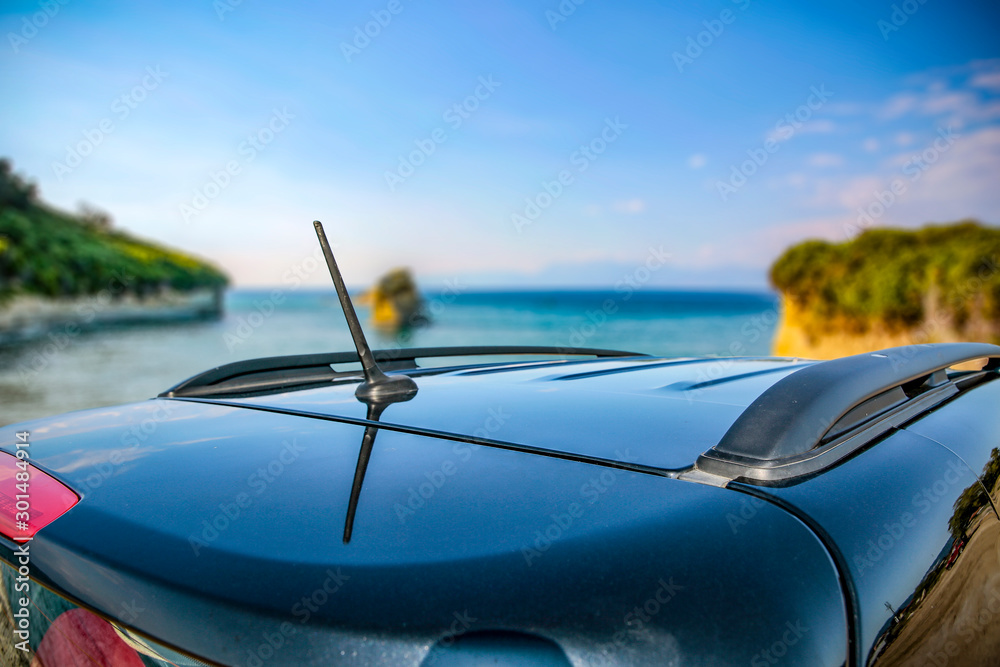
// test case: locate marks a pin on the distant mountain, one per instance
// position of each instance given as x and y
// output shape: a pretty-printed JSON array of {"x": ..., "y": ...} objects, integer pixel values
[
  {"x": 889, "y": 287},
  {"x": 52, "y": 253}
]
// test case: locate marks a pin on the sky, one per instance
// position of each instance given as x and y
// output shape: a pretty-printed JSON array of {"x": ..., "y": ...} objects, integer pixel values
[{"x": 510, "y": 142}]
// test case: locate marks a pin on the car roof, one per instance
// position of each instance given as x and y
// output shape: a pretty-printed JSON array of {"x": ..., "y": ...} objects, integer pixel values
[
  {"x": 644, "y": 411},
  {"x": 762, "y": 419}
]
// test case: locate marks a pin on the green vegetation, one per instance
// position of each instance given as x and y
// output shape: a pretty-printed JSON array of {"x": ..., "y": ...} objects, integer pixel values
[
  {"x": 893, "y": 276},
  {"x": 51, "y": 253}
]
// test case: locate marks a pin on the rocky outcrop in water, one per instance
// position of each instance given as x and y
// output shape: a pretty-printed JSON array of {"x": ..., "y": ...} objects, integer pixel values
[{"x": 395, "y": 302}]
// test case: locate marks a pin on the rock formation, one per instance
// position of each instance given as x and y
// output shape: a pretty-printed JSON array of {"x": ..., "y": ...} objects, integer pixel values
[
  {"x": 395, "y": 302},
  {"x": 889, "y": 287}
]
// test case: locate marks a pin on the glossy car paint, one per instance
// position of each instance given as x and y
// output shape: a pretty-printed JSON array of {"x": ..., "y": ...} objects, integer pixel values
[
  {"x": 914, "y": 528},
  {"x": 971, "y": 429},
  {"x": 610, "y": 565}
]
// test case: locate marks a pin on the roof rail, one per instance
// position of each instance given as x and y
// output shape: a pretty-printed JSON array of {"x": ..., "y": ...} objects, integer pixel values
[
  {"x": 268, "y": 372},
  {"x": 821, "y": 413}
]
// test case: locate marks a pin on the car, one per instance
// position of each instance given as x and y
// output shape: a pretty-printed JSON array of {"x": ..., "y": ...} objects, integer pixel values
[{"x": 517, "y": 506}]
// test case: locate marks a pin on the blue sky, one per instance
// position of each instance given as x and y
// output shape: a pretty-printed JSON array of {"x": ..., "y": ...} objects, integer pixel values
[{"x": 717, "y": 132}]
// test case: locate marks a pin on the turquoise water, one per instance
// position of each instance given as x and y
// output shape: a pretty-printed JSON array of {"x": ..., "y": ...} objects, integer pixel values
[{"x": 113, "y": 366}]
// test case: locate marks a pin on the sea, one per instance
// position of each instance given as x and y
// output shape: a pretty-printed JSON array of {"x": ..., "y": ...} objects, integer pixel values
[{"x": 63, "y": 372}]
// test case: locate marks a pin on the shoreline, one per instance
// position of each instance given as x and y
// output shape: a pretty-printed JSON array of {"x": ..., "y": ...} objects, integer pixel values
[{"x": 28, "y": 317}]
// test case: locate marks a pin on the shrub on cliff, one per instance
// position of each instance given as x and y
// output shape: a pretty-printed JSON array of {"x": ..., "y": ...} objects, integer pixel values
[
  {"x": 52, "y": 253},
  {"x": 894, "y": 276}
]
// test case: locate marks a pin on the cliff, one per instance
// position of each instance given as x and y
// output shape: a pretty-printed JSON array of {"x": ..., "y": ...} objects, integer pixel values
[
  {"x": 889, "y": 287},
  {"x": 58, "y": 268}
]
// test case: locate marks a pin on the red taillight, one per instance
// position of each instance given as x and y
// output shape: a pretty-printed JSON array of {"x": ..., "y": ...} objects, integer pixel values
[{"x": 29, "y": 498}]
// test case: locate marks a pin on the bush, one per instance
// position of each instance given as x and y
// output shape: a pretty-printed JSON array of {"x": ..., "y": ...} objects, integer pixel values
[
  {"x": 14, "y": 191},
  {"x": 889, "y": 275}
]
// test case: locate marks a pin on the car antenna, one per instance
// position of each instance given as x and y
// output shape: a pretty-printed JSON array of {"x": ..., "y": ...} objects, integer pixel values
[
  {"x": 378, "y": 391},
  {"x": 377, "y": 387}
]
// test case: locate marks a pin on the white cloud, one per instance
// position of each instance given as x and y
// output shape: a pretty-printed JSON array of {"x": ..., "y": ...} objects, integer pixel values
[
  {"x": 939, "y": 185},
  {"x": 899, "y": 105},
  {"x": 857, "y": 191},
  {"x": 948, "y": 102},
  {"x": 697, "y": 161},
  {"x": 825, "y": 160},
  {"x": 786, "y": 132},
  {"x": 900, "y": 139},
  {"x": 631, "y": 206},
  {"x": 761, "y": 246},
  {"x": 796, "y": 179},
  {"x": 961, "y": 93},
  {"x": 987, "y": 80},
  {"x": 963, "y": 179}
]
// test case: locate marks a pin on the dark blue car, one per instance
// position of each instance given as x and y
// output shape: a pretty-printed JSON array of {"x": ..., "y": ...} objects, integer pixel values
[{"x": 515, "y": 506}]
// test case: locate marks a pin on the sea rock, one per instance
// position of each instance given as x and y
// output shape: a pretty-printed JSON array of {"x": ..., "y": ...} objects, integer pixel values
[{"x": 396, "y": 302}]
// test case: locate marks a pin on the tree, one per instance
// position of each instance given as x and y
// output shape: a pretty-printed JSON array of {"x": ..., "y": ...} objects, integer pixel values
[{"x": 14, "y": 191}]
